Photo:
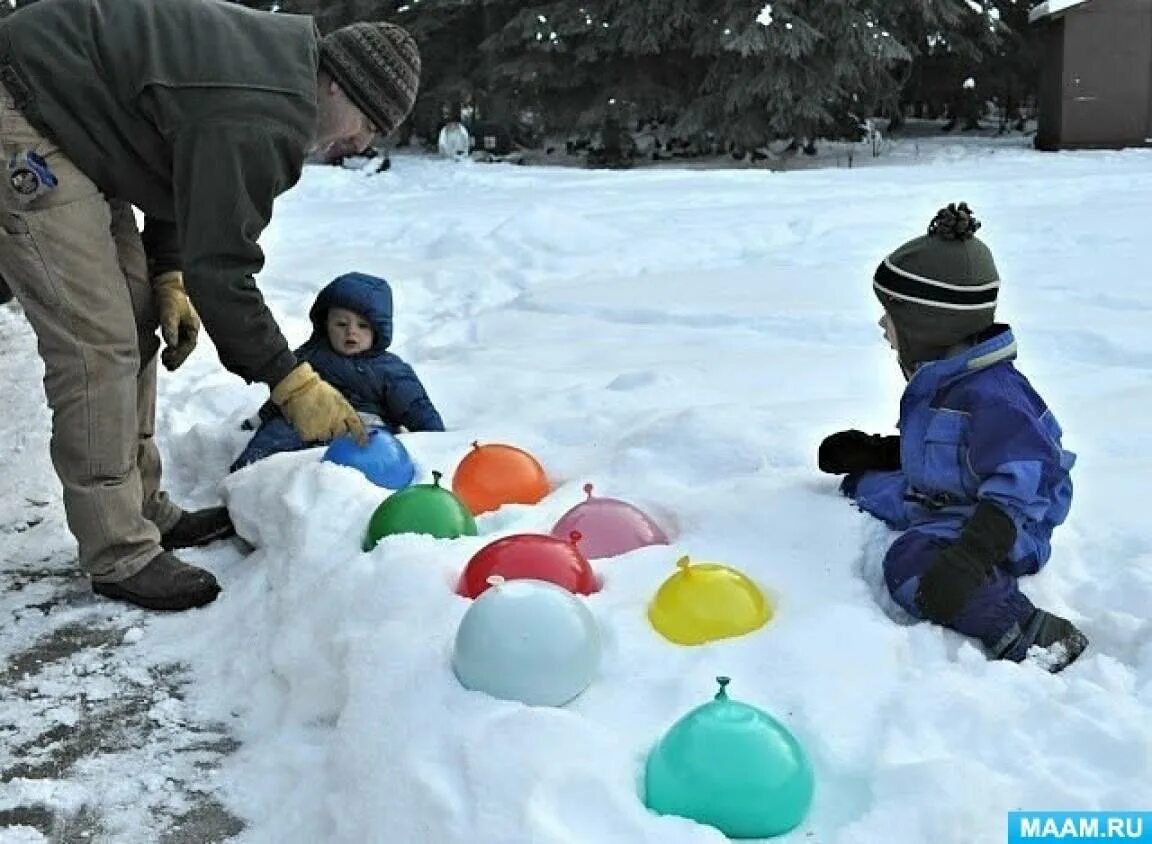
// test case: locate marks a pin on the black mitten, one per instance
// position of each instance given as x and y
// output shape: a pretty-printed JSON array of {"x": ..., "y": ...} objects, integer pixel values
[
  {"x": 959, "y": 570},
  {"x": 855, "y": 451}
]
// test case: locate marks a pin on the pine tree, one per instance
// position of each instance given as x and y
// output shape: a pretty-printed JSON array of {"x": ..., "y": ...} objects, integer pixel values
[
  {"x": 1013, "y": 64},
  {"x": 551, "y": 59},
  {"x": 449, "y": 34},
  {"x": 735, "y": 69},
  {"x": 330, "y": 14},
  {"x": 796, "y": 70},
  {"x": 951, "y": 50},
  {"x": 738, "y": 71}
]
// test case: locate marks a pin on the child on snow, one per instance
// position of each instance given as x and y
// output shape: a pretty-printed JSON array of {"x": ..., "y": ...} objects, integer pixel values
[
  {"x": 977, "y": 477},
  {"x": 351, "y": 331}
]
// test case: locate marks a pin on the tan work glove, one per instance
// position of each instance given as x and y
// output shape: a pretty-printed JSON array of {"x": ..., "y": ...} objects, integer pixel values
[
  {"x": 179, "y": 322},
  {"x": 315, "y": 408}
]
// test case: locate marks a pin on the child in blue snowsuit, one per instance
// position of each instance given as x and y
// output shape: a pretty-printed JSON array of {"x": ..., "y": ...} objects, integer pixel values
[
  {"x": 351, "y": 332},
  {"x": 977, "y": 478}
]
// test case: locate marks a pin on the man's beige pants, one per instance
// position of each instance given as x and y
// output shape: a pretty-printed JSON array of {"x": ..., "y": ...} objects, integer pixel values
[{"x": 75, "y": 261}]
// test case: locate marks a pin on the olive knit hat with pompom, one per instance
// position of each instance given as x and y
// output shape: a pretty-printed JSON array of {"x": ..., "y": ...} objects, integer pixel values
[{"x": 939, "y": 289}]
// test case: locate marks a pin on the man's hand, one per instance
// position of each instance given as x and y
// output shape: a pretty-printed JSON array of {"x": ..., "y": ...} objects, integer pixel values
[
  {"x": 315, "y": 408},
  {"x": 179, "y": 322}
]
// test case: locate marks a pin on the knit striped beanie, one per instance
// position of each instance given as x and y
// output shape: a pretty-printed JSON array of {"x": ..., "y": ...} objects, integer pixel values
[
  {"x": 939, "y": 289},
  {"x": 378, "y": 66}
]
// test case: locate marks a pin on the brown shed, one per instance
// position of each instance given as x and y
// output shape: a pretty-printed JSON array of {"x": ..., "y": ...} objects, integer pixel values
[{"x": 1096, "y": 73}]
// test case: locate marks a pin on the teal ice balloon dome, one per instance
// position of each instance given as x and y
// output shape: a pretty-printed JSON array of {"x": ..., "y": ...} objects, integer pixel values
[{"x": 731, "y": 766}]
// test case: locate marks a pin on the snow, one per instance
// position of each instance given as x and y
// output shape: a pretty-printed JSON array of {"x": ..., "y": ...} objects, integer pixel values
[
  {"x": 683, "y": 340},
  {"x": 1050, "y": 8}
]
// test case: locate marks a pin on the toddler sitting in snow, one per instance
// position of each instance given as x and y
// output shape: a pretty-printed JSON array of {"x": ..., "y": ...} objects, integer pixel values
[
  {"x": 977, "y": 477},
  {"x": 351, "y": 331}
]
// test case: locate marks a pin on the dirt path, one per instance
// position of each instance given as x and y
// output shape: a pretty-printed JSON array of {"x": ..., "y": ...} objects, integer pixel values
[{"x": 95, "y": 744}]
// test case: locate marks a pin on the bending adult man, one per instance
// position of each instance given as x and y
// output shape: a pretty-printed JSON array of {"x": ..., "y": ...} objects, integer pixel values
[{"x": 199, "y": 113}]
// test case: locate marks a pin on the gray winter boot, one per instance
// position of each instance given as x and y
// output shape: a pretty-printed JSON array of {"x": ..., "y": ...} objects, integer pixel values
[
  {"x": 166, "y": 583},
  {"x": 1058, "y": 638}
]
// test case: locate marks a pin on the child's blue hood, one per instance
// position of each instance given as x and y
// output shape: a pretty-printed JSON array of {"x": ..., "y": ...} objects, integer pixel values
[{"x": 367, "y": 295}]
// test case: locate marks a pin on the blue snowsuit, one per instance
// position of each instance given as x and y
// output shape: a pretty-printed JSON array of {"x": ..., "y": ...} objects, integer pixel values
[
  {"x": 375, "y": 382},
  {"x": 971, "y": 428}
]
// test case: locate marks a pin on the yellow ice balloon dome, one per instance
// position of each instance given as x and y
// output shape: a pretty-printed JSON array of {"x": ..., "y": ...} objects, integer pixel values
[{"x": 703, "y": 602}]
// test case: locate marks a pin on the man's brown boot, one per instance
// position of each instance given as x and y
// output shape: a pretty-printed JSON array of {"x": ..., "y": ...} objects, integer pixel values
[{"x": 166, "y": 583}]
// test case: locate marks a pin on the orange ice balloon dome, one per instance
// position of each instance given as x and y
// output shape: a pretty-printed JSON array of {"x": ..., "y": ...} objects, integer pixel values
[{"x": 493, "y": 475}]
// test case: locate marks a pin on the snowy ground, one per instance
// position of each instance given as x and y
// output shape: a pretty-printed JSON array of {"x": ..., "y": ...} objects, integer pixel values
[{"x": 683, "y": 340}]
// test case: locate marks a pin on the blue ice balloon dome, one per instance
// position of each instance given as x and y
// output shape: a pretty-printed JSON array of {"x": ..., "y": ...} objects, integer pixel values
[{"x": 382, "y": 460}]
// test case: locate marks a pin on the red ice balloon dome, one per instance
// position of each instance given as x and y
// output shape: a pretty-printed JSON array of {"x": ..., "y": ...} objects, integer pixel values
[{"x": 529, "y": 556}]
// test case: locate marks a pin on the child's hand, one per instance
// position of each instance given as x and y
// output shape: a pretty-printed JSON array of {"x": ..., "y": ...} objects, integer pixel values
[
  {"x": 855, "y": 451},
  {"x": 949, "y": 583}
]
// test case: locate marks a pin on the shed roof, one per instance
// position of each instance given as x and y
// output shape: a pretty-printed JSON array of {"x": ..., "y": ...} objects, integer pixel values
[{"x": 1051, "y": 8}]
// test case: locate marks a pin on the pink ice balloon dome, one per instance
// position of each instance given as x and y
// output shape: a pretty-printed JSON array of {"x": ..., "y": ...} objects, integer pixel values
[{"x": 609, "y": 527}]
